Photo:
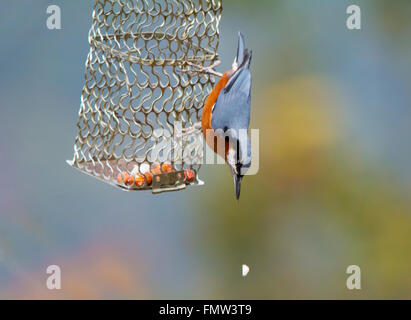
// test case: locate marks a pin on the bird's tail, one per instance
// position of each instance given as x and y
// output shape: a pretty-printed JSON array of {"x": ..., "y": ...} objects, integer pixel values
[
  {"x": 241, "y": 50},
  {"x": 237, "y": 185},
  {"x": 243, "y": 54}
]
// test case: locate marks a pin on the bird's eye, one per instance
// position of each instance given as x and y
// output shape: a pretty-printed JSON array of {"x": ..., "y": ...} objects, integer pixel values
[{"x": 225, "y": 129}]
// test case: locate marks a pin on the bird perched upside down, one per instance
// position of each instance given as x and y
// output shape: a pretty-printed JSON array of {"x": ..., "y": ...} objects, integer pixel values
[{"x": 226, "y": 115}]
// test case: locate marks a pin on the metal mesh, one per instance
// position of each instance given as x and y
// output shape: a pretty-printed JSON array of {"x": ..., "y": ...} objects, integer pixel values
[{"x": 135, "y": 90}]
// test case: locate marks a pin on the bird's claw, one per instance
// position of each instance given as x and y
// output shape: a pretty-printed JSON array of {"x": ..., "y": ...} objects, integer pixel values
[
  {"x": 189, "y": 131},
  {"x": 194, "y": 69}
]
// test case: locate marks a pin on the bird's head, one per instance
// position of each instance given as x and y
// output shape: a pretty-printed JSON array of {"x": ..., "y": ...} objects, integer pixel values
[{"x": 239, "y": 156}]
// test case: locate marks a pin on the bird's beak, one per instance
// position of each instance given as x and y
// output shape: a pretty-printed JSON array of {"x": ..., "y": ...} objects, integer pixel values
[{"x": 237, "y": 184}]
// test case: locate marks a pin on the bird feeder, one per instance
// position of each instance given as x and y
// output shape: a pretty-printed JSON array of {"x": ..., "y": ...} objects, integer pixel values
[{"x": 136, "y": 92}]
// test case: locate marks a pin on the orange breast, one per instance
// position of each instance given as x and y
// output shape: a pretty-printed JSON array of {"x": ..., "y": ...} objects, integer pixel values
[{"x": 208, "y": 113}]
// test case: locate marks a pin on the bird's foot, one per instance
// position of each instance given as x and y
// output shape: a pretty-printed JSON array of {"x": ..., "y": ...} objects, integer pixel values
[
  {"x": 194, "y": 129},
  {"x": 194, "y": 69}
]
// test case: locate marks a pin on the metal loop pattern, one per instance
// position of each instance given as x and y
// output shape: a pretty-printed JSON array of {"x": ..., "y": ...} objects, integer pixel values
[{"x": 135, "y": 90}]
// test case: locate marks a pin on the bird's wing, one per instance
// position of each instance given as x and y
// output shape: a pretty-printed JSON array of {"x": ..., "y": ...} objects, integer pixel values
[{"x": 232, "y": 109}]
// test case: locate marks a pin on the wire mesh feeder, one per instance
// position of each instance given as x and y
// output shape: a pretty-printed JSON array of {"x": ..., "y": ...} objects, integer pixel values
[{"x": 136, "y": 92}]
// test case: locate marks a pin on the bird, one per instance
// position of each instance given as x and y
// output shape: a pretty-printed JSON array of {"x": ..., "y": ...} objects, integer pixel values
[{"x": 226, "y": 115}]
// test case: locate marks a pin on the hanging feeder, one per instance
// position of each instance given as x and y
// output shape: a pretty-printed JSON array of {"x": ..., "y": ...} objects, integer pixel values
[{"x": 136, "y": 93}]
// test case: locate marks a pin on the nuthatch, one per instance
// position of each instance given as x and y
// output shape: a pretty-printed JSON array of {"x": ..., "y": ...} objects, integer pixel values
[{"x": 226, "y": 115}]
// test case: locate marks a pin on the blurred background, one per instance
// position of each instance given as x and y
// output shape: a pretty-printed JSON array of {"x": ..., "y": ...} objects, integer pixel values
[{"x": 333, "y": 109}]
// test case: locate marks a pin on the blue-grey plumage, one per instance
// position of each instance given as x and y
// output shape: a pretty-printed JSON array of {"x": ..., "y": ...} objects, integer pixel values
[
  {"x": 231, "y": 114},
  {"x": 240, "y": 49}
]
